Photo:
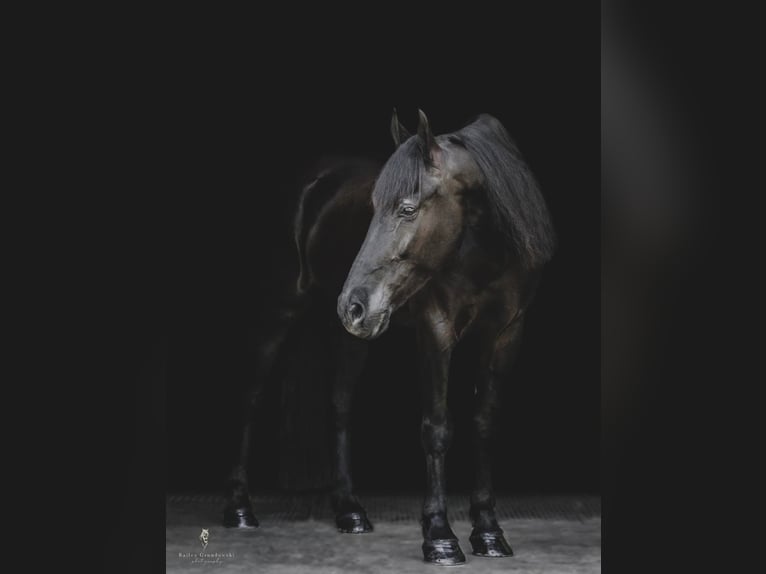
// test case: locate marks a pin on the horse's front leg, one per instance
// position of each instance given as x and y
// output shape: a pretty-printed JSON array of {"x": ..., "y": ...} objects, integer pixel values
[
  {"x": 350, "y": 516},
  {"x": 440, "y": 545},
  {"x": 487, "y": 537}
]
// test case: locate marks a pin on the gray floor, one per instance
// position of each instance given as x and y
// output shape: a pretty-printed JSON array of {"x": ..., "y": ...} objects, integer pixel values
[{"x": 552, "y": 535}]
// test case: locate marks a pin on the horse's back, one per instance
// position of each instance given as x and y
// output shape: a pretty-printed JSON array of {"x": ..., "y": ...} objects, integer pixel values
[{"x": 333, "y": 216}]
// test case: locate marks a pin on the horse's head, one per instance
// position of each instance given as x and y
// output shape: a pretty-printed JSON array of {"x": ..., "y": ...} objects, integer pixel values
[{"x": 417, "y": 225}]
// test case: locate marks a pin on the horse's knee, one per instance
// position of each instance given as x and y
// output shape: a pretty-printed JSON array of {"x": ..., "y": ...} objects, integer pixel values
[
  {"x": 483, "y": 422},
  {"x": 436, "y": 435},
  {"x": 341, "y": 403},
  {"x": 486, "y": 409},
  {"x": 482, "y": 426}
]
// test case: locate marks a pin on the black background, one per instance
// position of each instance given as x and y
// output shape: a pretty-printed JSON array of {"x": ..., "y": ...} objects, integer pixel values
[
  {"x": 231, "y": 256},
  {"x": 185, "y": 123},
  {"x": 199, "y": 136}
]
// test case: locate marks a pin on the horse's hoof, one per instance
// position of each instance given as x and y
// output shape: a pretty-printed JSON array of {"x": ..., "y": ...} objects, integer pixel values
[
  {"x": 242, "y": 517},
  {"x": 491, "y": 544},
  {"x": 445, "y": 552},
  {"x": 353, "y": 523}
]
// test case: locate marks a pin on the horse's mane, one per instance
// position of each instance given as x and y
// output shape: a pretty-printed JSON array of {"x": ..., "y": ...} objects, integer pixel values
[
  {"x": 518, "y": 208},
  {"x": 512, "y": 190}
]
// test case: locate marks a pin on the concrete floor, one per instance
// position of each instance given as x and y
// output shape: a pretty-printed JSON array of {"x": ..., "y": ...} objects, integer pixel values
[{"x": 285, "y": 545}]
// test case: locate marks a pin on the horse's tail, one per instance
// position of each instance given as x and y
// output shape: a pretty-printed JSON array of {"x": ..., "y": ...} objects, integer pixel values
[
  {"x": 308, "y": 354},
  {"x": 310, "y": 351},
  {"x": 305, "y": 453},
  {"x": 314, "y": 196}
]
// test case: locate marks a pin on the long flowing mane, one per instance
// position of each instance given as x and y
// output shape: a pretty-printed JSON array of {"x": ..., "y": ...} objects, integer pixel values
[
  {"x": 518, "y": 208},
  {"x": 517, "y": 204}
]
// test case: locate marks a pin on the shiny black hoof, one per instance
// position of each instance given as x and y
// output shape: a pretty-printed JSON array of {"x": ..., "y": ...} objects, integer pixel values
[
  {"x": 443, "y": 552},
  {"x": 353, "y": 523},
  {"x": 491, "y": 544},
  {"x": 242, "y": 517}
]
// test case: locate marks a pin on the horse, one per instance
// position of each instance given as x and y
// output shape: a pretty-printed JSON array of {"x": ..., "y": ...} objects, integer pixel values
[{"x": 457, "y": 236}]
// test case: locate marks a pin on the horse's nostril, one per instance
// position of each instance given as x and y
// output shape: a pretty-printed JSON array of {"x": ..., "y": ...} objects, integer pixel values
[{"x": 355, "y": 311}]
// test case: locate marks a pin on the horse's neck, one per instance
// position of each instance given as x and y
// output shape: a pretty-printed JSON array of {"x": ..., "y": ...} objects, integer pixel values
[
  {"x": 478, "y": 266},
  {"x": 483, "y": 253}
]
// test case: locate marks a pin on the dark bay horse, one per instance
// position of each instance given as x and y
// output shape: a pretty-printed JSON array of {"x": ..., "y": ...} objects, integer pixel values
[{"x": 454, "y": 233}]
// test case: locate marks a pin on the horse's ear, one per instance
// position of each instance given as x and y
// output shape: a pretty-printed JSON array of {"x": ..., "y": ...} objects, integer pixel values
[
  {"x": 427, "y": 137},
  {"x": 424, "y": 130},
  {"x": 398, "y": 131}
]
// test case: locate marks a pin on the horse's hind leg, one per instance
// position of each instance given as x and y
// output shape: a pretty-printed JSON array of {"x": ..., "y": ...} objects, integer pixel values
[
  {"x": 238, "y": 511},
  {"x": 487, "y": 537},
  {"x": 350, "y": 516}
]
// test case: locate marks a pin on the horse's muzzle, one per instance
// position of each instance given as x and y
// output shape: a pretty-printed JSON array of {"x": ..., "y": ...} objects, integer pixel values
[{"x": 356, "y": 318}]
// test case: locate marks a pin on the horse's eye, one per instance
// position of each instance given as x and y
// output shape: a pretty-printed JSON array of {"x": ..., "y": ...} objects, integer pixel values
[{"x": 407, "y": 210}]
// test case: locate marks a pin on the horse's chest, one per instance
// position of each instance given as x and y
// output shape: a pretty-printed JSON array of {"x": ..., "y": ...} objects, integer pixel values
[
  {"x": 470, "y": 311},
  {"x": 464, "y": 318}
]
